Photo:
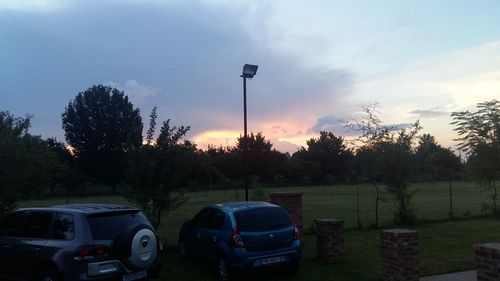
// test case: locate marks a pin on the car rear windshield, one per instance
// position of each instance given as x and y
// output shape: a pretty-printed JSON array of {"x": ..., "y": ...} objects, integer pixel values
[
  {"x": 262, "y": 219},
  {"x": 107, "y": 226}
]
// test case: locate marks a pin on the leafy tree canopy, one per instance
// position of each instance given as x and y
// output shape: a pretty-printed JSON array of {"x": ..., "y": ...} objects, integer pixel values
[
  {"x": 101, "y": 125},
  {"x": 158, "y": 171},
  {"x": 27, "y": 165},
  {"x": 102, "y": 119}
]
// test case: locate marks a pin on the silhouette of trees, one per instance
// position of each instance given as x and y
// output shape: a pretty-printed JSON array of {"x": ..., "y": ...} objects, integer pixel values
[
  {"x": 435, "y": 162},
  {"x": 330, "y": 153},
  {"x": 27, "y": 165},
  {"x": 101, "y": 125},
  {"x": 479, "y": 136},
  {"x": 391, "y": 149},
  {"x": 263, "y": 161},
  {"x": 158, "y": 171}
]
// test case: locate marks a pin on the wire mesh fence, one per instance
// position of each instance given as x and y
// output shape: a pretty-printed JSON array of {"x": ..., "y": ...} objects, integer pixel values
[{"x": 355, "y": 203}]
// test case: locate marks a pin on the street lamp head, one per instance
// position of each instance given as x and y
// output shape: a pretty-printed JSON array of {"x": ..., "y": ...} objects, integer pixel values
[{"x": 249, "y": 70}]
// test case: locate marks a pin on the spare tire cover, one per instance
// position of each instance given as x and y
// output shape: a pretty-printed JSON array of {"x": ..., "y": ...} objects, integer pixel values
[
  {"x": 137, "y": 247},
  {"x": 144, "y": 248}
]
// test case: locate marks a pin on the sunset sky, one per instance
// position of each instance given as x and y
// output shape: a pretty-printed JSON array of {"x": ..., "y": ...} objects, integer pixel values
[{"x": 319, "y": 62}]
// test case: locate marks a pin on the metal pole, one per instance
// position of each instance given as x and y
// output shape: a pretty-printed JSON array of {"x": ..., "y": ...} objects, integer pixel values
[{"x": 245, "y": 137}]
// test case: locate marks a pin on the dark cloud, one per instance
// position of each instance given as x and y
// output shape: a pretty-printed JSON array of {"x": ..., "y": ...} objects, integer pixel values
[
  {"x": 428, "y": 113},
  {"x": 277, "y": 129},
  {"x": 188, "y": 53},
  {"x": 330, "y": 123},
  {"x": 399, "y": 126}
]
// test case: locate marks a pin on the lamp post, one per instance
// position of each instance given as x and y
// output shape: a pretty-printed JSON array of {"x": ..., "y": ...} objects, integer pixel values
[{"x": 249, "y": 71}]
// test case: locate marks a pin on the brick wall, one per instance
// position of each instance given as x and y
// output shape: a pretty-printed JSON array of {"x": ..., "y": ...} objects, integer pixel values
[
  {"x": 399, "y": 255},
  {"x": 487, "y": 261},
  {"x": 292, "y": 203},
  {"x": 329, "y": 239}
]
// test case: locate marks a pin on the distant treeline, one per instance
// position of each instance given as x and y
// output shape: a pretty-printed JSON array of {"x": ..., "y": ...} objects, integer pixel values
[{"x": 105, "y": 147}]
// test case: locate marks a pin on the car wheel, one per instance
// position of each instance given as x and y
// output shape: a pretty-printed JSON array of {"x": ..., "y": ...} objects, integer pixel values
[
  {"x": 183, "y": 250},
  {"x": 48, "y": 275},
  {"x": 223, "y": 272}
]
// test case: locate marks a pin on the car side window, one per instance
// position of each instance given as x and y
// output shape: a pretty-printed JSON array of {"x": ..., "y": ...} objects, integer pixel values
[
  {"x": 37, "y": 225},
  {"x": 64, "y": 227},
  {"x": 215, "y": 219},
  {"x": 11, "y": 224},
  {"x": 201, "y": 219}
]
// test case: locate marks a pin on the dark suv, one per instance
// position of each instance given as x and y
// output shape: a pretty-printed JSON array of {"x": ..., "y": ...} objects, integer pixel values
[
  {"x": 78, "y": 242},
  {"x": 240, "y": 236}
]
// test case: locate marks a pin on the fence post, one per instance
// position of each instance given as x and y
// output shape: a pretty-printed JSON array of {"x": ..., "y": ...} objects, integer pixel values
[
  {"x": 487, "y": 261},
  {"x": 399, "y": 254},
  {"x": 329, "y": 239}
]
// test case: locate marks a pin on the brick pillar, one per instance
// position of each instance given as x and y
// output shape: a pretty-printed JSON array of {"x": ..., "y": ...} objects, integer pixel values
[
  {"x": 487, "y": 261},
  {"x": 329, "y": 239},
  {"x": 399, "y": 255},
  {"x": 292, "y": 203}
]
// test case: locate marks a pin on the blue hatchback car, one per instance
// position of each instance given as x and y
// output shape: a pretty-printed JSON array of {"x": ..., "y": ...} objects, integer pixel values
[{"x": 240, "y": 236}]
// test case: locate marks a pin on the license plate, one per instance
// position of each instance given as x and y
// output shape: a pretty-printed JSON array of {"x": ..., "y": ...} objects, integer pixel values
[
  {"x": 273, "y": 260},
  {"x": 135, "y": 275}
]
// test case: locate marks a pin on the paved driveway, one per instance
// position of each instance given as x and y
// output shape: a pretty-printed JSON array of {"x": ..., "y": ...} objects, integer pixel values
[{"x": 459, "y": 276}]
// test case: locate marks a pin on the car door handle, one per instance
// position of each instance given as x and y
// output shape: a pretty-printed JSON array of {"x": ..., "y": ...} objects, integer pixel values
[
  {"x": 6, "y": 246},
  {"x": 215, "y": 238}
]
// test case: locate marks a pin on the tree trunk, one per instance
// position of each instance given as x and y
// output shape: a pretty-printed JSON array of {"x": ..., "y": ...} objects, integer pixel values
[
  {"x": 494, "y": 198},
  {"x": 377, "y": 200},
  {"x": 357, "y": 204},
  {"x": 451, "y": 198}
]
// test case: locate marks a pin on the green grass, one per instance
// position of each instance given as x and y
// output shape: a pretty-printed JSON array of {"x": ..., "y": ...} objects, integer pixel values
[
  {"x": 443, "y": 247},
  {"x": 431, "y": 202}
]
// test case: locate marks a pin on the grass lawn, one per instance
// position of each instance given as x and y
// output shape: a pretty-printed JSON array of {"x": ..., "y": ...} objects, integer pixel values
[
  {"x": 431, "y": 202},
  {"x": 443, "y": 246}
]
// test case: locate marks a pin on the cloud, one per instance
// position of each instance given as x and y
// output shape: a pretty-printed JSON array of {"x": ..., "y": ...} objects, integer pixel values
[
  {"x": 137, "y": 93},
  {"x": 330, "y": 123},
  {"x": 32, "y": 5},
  {"x": 277, "y": 129},
  {"x": 284, "y": 146},
  {"x": 399, "y": 126},
  {"x": 428, "y": 113}
]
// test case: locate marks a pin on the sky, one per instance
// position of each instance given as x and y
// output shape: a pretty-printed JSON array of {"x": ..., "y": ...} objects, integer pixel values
[{"x": 319, "y": 62}]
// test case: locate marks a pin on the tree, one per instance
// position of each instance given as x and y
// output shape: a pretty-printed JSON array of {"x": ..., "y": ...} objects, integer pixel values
[
  {"x": 479, "y": 137},
  {"x": 263, "y": 161},
  {"x": 101, "y": 125},
  {"x": 69, "y": 176},
  {"x": 368, "y": 164},
  {"x": 435, "y": 162},
  {"x": 392, "y": 146},
  {"x": 157, "y": 171},
  {"x": 330, "y": 153},
  {"x": 27, "y": 166}
]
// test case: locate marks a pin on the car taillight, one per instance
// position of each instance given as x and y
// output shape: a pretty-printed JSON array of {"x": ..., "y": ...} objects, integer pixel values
[
  {"x": 296, "y": 235},
  {"x": 236, "y": 240},
  {"x": 90, "y": 252}
]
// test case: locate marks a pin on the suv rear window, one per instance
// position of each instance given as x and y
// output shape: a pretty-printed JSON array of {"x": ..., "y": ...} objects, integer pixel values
[
  {"x": 107, "y": 226},
  {"x": 262, "y": 219}
]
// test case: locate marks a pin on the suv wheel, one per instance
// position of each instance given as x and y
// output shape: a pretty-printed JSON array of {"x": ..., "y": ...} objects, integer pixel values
[
  {"x": 223, "y": 272},
  {"x": 47, "y": 275}
]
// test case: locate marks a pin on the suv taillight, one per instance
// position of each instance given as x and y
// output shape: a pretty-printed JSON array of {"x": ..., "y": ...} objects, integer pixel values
[
  {"x": 296, "y": 235},
  {"x": 236, "y": 240},
  {"x": 90, "y": 252}
]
